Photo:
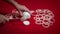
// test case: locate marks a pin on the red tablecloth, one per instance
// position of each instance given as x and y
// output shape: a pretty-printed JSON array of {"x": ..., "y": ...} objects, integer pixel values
[{"x": 17, "y": 27}]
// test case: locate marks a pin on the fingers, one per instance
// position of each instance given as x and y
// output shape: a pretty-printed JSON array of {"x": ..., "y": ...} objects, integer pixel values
[
  {"x": 3, "y": 19},
  {"x": 22, "y": 7},
  {"x": 20, "y": 12},
  {"x": 25, "y": 8}
]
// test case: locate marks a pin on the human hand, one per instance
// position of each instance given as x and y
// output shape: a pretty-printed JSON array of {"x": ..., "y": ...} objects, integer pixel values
[
  {"x": 3, "y": 19},
  {"x": 22, "y": 7}
]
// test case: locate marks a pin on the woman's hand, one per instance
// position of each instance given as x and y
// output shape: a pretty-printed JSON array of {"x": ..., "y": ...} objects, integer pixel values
[
  {"x": 22, "y": 7},
  {"x": 18, "y": 6},
  {"x": 3, "y": 19}
]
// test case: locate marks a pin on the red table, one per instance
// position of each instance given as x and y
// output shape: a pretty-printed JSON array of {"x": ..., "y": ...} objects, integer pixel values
[{"x": 17, "y": 27}]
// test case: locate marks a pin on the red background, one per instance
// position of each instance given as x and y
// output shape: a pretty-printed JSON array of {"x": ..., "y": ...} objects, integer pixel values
[{"x": 17, "y": 27}]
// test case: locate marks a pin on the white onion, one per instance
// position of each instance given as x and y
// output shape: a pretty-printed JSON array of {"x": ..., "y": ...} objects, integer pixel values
[{"x": 26, "y": 15}]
